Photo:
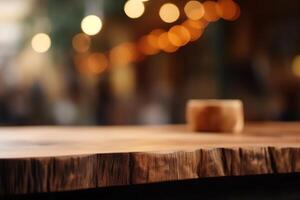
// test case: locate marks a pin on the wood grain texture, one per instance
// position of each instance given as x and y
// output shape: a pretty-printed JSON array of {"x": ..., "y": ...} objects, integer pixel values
[
  {"x": 215, "y": 115},
  {"x": 51, "y": 159}
]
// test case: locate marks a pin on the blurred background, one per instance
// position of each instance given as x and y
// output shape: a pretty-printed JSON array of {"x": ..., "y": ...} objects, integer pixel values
[{"x": 100, "y": 62}]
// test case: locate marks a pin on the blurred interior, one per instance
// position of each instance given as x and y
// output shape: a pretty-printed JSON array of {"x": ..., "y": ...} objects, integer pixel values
[{"x": 100, "y": 62}]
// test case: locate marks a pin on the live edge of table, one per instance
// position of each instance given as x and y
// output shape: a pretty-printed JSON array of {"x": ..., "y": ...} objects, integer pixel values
[{"x": 56, "y": 159}]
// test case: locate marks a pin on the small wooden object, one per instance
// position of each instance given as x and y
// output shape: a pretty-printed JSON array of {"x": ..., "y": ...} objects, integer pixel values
[{"x": 215, "y": 115}]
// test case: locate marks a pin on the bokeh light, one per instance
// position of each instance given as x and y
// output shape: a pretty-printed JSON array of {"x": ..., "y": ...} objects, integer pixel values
[
  {"x": 228, "y": 9},
  {"x": 149, "y": 44},
  {"x": 169, "y": 12},
  {"x": 90, "y": 64},
  {"x": 211, "y": 13},
  {"x": 153, "y": 37},
  {"x": 41, "y": 42},
  {"x": 134, "y": 8},
  {"x": 194, "y": 10},
  {"x": 165, "y": 44},
  {"x": 81, "y": 42},
  {"x": 237, "y": 14},
  {"x": 195, "y": 28},
  {"x": 123, "y": 54},
  {"x": 97, "y": 63},
  {"x": 179, "y": 36},
  {"x": 145, "y": 48},
  {"x": 196, "y": 24},
  {"x": 91, "y": 25},
  {"x": 296, "y": 66}
]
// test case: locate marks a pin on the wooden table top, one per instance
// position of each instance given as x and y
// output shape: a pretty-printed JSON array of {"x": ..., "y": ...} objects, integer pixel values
[{"x": 51, "y": 159}]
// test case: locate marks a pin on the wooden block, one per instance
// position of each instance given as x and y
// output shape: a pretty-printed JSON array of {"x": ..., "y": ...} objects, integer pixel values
[{"x": 215, "y": 115}]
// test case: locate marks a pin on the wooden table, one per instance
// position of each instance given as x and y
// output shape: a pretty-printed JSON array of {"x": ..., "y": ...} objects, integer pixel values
[{"x": 54, "y": 159}]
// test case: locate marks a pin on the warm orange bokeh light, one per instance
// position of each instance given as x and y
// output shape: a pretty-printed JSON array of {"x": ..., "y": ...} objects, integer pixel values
[
  {"x": 165, "y": 44},
  {"x": 211, "y": 11},
  {"x": 81, "y": 42},
  {"x": 179, "y": 35},
  {"x": 124, "y": 53},
  {"x": 195, "y": 31},
  {"x": 228, "y": 9},
  {"x": 237, "y": 14},
  {"x": 88, "y": 64},
  {"x": 194, "y": 10},
  {"x": 153, "y": 37},
  {"x": 145, "y": 47},
  {"x": 196, "y": 24},
  {"x": 199, "y": 14},
  {"x": 148, "y": 44},
  {"x": 97, "y": 63}
]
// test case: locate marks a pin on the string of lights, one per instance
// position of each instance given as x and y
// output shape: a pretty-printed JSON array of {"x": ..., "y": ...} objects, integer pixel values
[{"x": 198, "y": 14}]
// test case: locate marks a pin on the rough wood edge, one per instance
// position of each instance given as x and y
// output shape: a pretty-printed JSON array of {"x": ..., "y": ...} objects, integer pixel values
[{"x": 34, "y": 175}]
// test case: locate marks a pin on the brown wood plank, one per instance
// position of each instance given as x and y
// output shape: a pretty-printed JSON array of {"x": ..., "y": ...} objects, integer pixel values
[{"x": 51, "y": 159}]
